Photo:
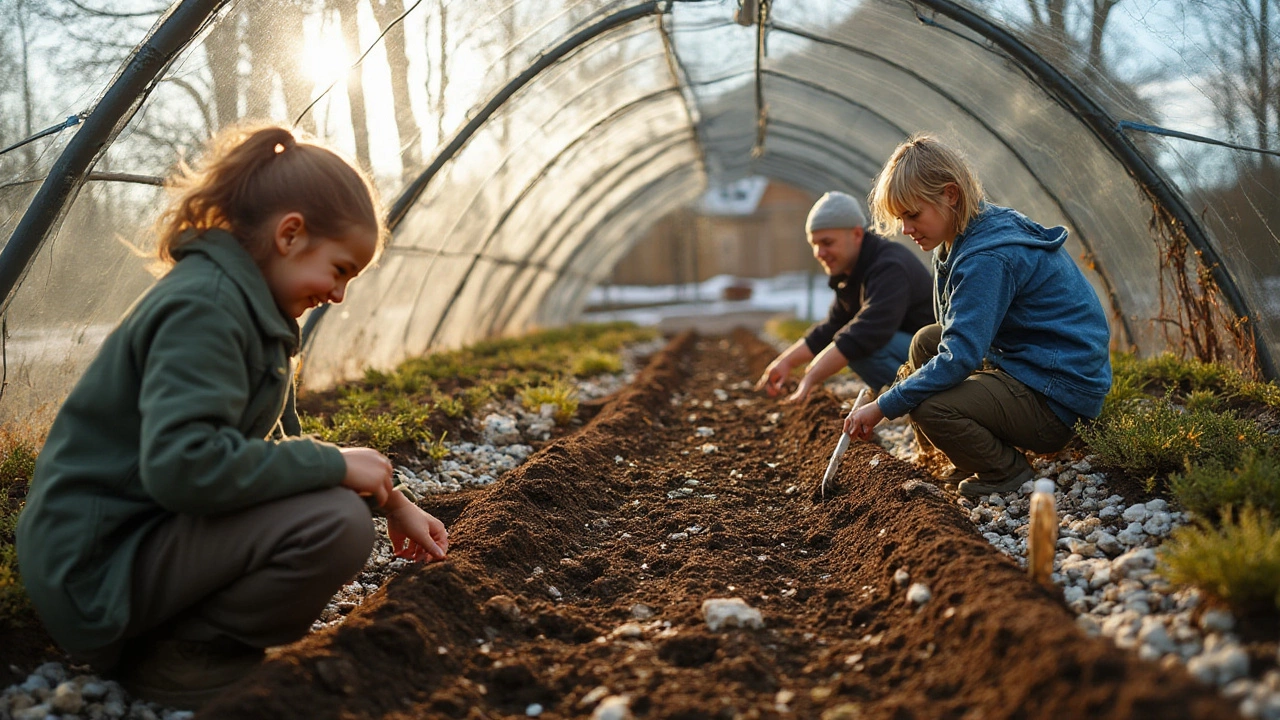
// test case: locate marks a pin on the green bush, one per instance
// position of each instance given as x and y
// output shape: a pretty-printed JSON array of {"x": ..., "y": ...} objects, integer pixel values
[
  {"x": 1237, "y": 562},
  {"x": 1153, "y": 437},
  {"x": 594, "y": 362},
  {"x": 1207, "y": 489},
  {"x": 561, "y": 394}
]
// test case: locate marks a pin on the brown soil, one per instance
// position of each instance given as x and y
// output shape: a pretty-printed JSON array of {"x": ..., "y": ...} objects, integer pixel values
[{"x": 478, "y": 636}]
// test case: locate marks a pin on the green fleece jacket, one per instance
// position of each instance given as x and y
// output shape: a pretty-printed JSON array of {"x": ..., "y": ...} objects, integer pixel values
[{"x": 182, "y": 411}]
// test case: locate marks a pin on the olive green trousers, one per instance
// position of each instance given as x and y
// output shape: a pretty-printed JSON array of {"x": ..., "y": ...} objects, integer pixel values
[
  {"x": 260, "y": 576},
  {"x": 984, "y": 423}
]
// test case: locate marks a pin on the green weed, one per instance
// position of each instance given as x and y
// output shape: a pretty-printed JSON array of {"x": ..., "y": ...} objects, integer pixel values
[
  {"x": 563, "y": 395},
  {"x": 593, "y": 362},
  {"x": 1237, "y": 562},
  {"x": 435, "y": 449},
  {"x": 1207, "y": 489}
]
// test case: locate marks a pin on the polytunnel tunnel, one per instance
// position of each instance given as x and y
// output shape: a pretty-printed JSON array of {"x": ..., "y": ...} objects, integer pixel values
[{"x": 522, "y": 148}]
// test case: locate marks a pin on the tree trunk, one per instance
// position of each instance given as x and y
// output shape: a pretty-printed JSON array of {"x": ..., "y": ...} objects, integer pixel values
[
  {"x": 386, "y": 12},
  {"x": 347, "y": 10},
  {"x": 222, "y": 48}
]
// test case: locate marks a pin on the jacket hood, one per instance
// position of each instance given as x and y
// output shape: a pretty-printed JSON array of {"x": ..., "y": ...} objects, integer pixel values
[{"x": 995, "y": 226}]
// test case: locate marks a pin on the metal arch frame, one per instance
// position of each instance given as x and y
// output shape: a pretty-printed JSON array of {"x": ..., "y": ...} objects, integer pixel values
[
  {"x": 820, "y": 88},
  {"x": 837, "y": 142},
  {"x": 613, "y": 212},
  {"x": 1112, "y": 136},
  {"x": 662, "y": 145},
  {"x": 413, "y": 191},
  {"x": 1116, "y": 309},
  {"x": 527, "y": 189},
  {"x": 816, "y": 170},
  {"x": 792, "y": 132},
  {"x": 113, "y": 110}
]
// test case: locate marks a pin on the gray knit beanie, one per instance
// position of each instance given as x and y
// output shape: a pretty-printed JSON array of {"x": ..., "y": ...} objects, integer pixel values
[{"x": 835, "y": 210}]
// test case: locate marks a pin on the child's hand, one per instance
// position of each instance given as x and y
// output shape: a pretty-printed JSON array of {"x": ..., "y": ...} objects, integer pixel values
[
  {"x": 369, "y": 472},
  {"x": 415, "y": 535},
  {"x": 862, "y": 421}
]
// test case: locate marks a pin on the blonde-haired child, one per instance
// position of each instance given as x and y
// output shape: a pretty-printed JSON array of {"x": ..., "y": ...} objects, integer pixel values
[
  {"x": 1020, "y": 350},
  {"x": 174, "y": 529}
]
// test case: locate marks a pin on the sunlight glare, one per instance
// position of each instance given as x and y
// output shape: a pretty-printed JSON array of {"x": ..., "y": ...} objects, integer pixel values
[{"x": 324, "y": 56}]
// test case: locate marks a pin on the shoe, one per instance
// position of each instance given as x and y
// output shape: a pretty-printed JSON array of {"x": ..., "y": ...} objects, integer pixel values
[
  {"x": 980, "y": 488},
  {"x": 186, "y": 674}
]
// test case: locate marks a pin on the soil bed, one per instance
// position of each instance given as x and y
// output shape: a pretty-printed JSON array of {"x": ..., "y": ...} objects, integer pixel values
[{"x": 599, "y": 517}]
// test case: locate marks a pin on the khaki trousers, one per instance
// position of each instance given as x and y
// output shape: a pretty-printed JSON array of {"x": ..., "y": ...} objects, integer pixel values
[
  {"x": 260, "y": 576},
  {"x": 983, "y": 424}
]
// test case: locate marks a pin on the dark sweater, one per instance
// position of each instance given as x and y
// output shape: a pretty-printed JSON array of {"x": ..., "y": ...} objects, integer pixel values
[{"x": 888, "y": 290}]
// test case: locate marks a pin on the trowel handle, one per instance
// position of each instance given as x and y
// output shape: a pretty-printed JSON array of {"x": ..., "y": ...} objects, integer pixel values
[{"x": 863, "y": 395}]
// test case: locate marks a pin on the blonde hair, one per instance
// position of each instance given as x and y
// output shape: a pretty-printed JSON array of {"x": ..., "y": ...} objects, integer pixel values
[
  {"x": 918, "y": 172},
  {"x": 250, "y": 174}
]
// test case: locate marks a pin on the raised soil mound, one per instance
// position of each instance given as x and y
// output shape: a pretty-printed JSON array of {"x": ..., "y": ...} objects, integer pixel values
[{"x": 482, "y": 636}]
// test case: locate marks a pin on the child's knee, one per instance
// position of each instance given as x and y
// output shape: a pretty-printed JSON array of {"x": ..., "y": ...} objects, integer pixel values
[
  {"x": 924, "y": 345},
  {"x": 349, "y": 534}
]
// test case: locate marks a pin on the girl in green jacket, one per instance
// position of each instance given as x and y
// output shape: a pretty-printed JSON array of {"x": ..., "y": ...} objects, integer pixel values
[{"x": 173, "y": 530}]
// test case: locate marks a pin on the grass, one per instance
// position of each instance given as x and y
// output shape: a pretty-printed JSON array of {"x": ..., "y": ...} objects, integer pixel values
[
  {"x": 409, "y": 408},
  {"x": 1237, "y": 562},
  {"x": 17, "y": 465},
  {"x": 1210, "y": 488},
  {"x": 1183, "y": 378}
]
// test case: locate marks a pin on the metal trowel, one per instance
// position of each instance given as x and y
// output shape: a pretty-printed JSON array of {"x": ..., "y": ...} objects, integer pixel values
[{"x": 834, "y": 464}]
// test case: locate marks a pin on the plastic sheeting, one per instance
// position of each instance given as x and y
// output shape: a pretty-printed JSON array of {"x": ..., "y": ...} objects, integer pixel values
[{"x": 646, "y": 105}]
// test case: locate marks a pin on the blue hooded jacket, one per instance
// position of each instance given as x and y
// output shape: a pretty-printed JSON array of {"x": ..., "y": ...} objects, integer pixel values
[{"x": 1009, "y": 293}]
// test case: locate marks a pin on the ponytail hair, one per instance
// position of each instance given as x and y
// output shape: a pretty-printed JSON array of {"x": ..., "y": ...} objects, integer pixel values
[
  {"x": 251, "y": 174},
  {"x": 919, "y": 171}
]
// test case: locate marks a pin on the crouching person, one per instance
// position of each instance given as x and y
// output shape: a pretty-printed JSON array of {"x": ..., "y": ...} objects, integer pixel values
[
  {"x": 1020, "y": 352},
  {"x": 173, "y": 531}
]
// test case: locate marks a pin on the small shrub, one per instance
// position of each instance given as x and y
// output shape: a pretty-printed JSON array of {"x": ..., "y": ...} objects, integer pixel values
[
  {"x": 450, "y": 407},
  {"x": 1207, "y": 489},
  {"x": 1238, "y": 562},
  {"x": 563, "y": 395},
  {"x": 594, "y": 362},
  {"x": 1152, "y": 437},
  {"x": 1202, "y": 400}
]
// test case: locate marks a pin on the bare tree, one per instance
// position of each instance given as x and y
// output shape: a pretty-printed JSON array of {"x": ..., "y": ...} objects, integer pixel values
[
  {"x": 273, "y": 29},
  {"x": 387, "y": 12},
  {"x": 347, "y": 11}
]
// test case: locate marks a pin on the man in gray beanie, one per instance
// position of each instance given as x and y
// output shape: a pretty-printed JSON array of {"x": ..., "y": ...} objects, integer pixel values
[{"x": 883, "y": 295}]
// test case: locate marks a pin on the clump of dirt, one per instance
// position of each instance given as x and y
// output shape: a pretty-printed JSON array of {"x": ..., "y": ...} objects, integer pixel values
[{"x": 587, "y": 567}]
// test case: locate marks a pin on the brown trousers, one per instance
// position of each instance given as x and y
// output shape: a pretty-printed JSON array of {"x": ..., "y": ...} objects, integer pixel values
[
  {"x": 260, "y": 576},
  {"x": 981, "y": 424}
]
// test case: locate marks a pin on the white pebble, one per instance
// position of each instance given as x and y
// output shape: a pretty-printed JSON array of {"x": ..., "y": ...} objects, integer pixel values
[
  {"x": 901, "y": 577},
  {"x": 919, "y": 593},
  {"x": 1217, "y": 620},
  {"x": 534, "y": 710},
  {"x": 614, "y": 707},
  {"x": 730, "y": 612}
]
